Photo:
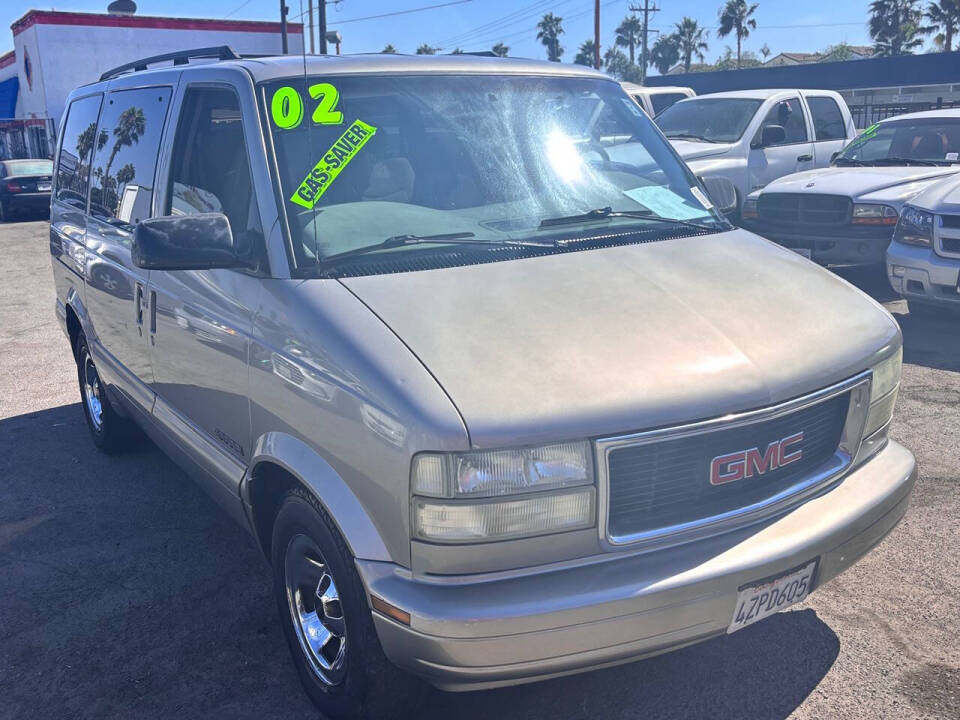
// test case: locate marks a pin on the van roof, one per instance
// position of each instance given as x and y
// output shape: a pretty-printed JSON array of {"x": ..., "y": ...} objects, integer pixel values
[{"x": 264, "y": 68}]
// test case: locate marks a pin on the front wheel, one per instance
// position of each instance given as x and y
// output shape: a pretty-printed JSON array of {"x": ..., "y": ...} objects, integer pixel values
[{"x": 326, "y": 620}]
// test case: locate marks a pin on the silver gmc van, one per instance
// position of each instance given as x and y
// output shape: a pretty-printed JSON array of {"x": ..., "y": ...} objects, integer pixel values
[{"x": 498, "y": 392}]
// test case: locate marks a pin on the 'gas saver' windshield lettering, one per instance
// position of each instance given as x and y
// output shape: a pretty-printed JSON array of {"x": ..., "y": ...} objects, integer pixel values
[{"x": 332, "y": 163}]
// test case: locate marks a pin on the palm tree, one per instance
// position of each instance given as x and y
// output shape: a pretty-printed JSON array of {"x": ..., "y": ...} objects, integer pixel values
[
  {"x": 895, "y": 26},
  {"x": 549, "y": 30},
  {"x": 735, "y": 16},
  {"x": 629, "y": 34},
  {"x": 426, "y": 49},
  {"x": 665, "y": 53},
  {"x": 944, "y": 16},
  {"x": 130, "y": 127},
  {"x": 692, "y": 41},
  {"x": 389, "y": 50},
  {"x": 500, "y": 50},
  {"x": 586, "y": 53},
  {"x": 765, "y": 51}
]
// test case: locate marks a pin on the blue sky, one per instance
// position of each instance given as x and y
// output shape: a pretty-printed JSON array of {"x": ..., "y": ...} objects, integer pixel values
[{"x": 784, "y": 26}]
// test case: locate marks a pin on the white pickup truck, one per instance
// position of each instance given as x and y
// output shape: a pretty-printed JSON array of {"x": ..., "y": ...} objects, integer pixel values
[
  {"x": 752, "y": 137},
  {"x": 654, "y": 100}
]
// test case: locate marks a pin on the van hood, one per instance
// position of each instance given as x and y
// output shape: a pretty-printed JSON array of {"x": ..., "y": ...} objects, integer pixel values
[
  {"x": 870, "y": 183},
  {"x": 619, "y": 339},
  {"x": 693, "y": 150}
]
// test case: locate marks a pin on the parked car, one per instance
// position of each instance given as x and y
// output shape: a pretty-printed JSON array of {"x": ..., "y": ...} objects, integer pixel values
[
  {"x": 846, "y": 214},
  {"x": 497, "y": 402},
  {"x": 654, "y": 100},
  {"x": 923, "y": 261},
  {"x": 753, "y": 137},
  {"x": 24, "y": 187}
]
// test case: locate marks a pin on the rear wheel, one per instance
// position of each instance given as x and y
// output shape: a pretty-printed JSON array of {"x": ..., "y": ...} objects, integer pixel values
[
  {"x": 110, "y": 432},
  {"x": 4, "y": 212},
  {"x": 326, "y": 620}
]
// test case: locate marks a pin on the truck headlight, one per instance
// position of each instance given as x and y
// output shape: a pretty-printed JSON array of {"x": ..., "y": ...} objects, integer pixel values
[
  {"x": 915, "y": 227},
  {"x": 883, "y": 398},
  {"x": 465, "y": 497},
  {"x": 869, "y": 214}
]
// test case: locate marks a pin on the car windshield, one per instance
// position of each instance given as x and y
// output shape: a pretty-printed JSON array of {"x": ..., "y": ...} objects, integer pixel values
[
  {"x": 482, "y": 159},
  {"x": 906, "y": 142},
  {"x": 708, "y": 119},
  {"x": 28, "y": 167}
]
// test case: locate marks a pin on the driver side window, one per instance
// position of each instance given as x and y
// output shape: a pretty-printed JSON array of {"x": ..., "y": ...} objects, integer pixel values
[{"x": 789, "y": 115}]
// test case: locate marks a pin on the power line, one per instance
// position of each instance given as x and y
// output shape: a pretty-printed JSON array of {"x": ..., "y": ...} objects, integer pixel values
[
  {"x": 400, "y": 12},
  {"x": 238, "y": 9},
  {"x": 489, "y": 37},
  {"x": 781, "y": 27},
  {"x": 501, "y": 22}
]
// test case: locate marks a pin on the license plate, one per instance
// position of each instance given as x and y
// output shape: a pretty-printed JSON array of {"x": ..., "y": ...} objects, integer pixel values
[
  {"x": 760, "y": 600},
  {"x": 43, "y": 187},
  {"x": 805, "y": 252}
]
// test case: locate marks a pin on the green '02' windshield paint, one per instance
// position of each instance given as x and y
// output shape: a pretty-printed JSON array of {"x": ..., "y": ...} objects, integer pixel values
[{"x": 332, "y": 163}]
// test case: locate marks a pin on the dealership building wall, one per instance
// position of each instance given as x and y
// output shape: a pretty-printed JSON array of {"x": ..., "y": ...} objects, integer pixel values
[{"x": 55, "y": 52}]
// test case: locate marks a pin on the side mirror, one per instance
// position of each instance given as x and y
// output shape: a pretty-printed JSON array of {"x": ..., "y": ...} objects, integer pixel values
[
  {"x": 722, "y": 193},
  {"x": 185, "y": 242},
  {"x": 834, "y": 156},
  {"x": 771, "y": 135}
]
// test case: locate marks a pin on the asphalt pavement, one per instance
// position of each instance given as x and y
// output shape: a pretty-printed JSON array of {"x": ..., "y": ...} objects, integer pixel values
[{"x": 126, "y": 593}]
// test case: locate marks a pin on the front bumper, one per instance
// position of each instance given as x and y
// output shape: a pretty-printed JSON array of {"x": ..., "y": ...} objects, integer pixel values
[
  {"x": 919, "y": 274},
  {"x": 837, "y": 250},
  {"x": 513, "y": 628}
]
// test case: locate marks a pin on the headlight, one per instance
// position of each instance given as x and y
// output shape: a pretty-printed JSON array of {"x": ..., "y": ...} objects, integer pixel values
[
  {"x": 550, "y": 478},
  {"x": 749, "y": 209},
  {"x": 866, "y": 214},
  {"x": 915, "y": 227},
  {"x": 883, "y": 397}
]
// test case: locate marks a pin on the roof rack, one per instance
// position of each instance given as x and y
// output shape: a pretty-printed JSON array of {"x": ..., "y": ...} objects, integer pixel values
[{"x": 181, "y": 57}]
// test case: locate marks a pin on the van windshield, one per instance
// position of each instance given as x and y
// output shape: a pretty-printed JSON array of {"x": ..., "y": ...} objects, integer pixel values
[
  {"x": 708, "y": 119},
  {"x": 487, "y": 158}
]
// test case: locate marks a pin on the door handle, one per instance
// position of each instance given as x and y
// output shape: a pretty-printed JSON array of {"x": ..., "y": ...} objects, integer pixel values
[
  {"x": 805, "y": 158},
  {"x": 138, "y": 302},
  {"x": 153, "y": 315}
]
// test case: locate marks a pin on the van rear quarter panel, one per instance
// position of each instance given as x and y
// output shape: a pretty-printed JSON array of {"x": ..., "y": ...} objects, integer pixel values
[{"x": 325, "y": 370}]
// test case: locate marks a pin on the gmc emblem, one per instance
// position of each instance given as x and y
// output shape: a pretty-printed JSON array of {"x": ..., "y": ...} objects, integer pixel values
[{"x": 747, "y": 463}]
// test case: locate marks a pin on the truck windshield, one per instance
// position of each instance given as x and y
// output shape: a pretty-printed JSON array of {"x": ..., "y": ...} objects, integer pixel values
[
  {"x": 363, "y": 160},
  {"x": 925, "y": 141},
  {"x": 708, "y": 119}
]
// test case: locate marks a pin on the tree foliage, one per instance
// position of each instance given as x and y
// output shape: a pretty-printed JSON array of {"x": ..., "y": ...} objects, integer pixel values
[
  {"x": 500, "y": 50},
  {"x": 896, "y": 27},
  {"x": 389, "y": 50},
  {"x": 586, "y": 53},
  {"x": 629, "y": 35},
  {"x": 944, "y": 19},
  {"x": 692, "y": 41},
  {"x": 665, "y": 53},
  {"x": 549, "y": 30},
  {"x": 426, "y": 49},
  {"x": 736, "y": 17}
]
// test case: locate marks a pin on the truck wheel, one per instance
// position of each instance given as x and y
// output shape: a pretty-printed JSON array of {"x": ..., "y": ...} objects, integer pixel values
[
  {"x": 326, "y": 620},
  {"x": 111, "y": 433}
]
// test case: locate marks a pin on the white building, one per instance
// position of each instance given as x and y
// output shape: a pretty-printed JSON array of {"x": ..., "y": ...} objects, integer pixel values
[{"x": 54, "y": 52}]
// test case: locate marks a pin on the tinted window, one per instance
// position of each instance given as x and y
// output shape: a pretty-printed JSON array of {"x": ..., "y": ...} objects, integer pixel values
[
  {"x": 789, "y": 115},
  {"x": 211, "y": 170},
  {"x": 893, "y": 142},
  {"x": 711, "y": 119},
  {"x": 123, "y": 166},
  {"x": 662, "y": 101},
  {"x": 827, "y": 118},
  {"x": 79, "y": 138}
]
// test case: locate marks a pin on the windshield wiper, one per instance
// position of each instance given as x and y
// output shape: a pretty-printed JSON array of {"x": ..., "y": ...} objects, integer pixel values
[
  {"x": 460, "y": 238},
  {"x": 698, "y": 138},
  {"x": 607, "y": 212},
  {"x": 905, "y": 161},
  {"x": 848, "y": 161}
]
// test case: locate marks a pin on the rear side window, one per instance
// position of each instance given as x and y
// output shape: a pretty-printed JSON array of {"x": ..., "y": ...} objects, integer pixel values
[
  {"x": 827, "y": 118},
  {"x": 789, "y": 115},
  {"x": 79, "y": 139},
  {"x": 211, "y": 168},
  {"x": 662, "y": 101},
  {"x": 123, "y": 166}
]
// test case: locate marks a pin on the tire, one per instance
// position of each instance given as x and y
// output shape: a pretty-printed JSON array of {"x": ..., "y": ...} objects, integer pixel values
[
  {"x": 111, "y": 433},
  {"x": 4, "y": 213},
  {"x": 363, "y": 684}
]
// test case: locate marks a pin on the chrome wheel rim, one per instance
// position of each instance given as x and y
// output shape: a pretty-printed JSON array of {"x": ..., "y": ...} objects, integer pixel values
[
  {"x": 315, "y": 610},
  {"x": 92, "y": 392}
]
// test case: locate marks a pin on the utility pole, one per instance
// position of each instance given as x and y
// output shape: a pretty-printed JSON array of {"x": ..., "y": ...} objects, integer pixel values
[
  {"x": 647, "y": 11},
  {"x": 310, "y": 15},
  {"x": 322, "y": 21},
  {"x": 596, "y": 34},
  {"x": 283, "y": 26}
]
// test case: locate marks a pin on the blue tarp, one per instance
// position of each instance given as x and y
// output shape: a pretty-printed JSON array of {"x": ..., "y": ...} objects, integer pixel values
[{"x": 8, "y": 97}]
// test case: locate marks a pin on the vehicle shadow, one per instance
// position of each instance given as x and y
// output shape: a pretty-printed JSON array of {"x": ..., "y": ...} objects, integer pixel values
[{"x": 164, "y": 608}]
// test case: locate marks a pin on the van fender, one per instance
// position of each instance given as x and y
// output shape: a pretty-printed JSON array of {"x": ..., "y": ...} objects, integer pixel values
[{"x": 319, "y": 477}]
